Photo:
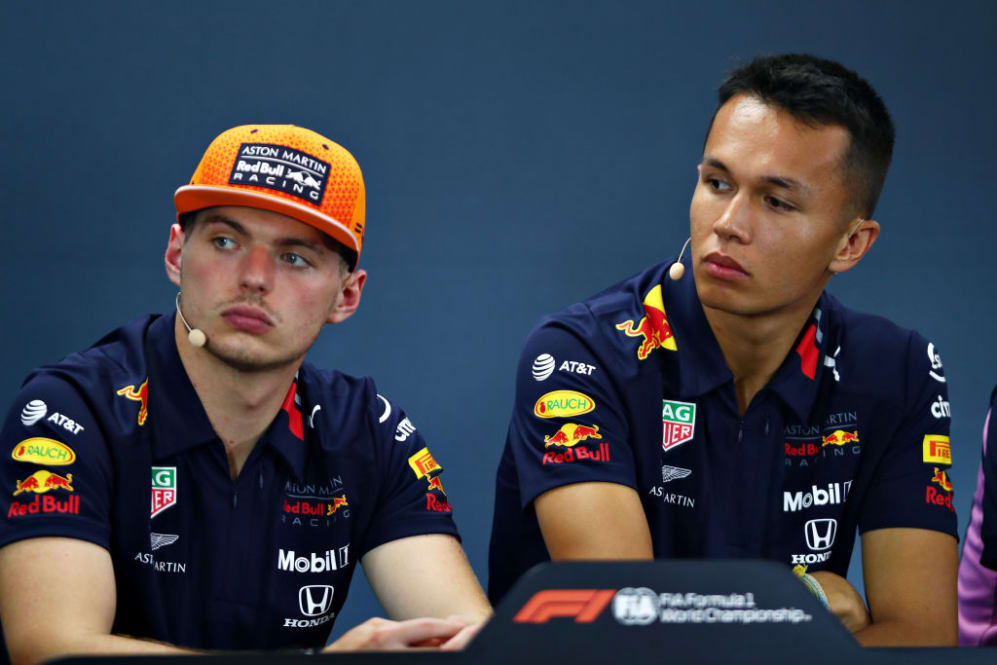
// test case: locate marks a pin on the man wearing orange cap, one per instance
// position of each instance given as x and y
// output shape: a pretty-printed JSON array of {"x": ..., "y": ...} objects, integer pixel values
[{"x": 189, "y": 483}]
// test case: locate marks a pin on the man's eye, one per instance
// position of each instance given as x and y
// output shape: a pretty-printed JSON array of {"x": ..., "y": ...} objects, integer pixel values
[
  {"x": 222, "y": 242},
  {"x": 779, "y": 204},
  {"x": 717, "y": 185},
  {"x": 294, "y": 259}
]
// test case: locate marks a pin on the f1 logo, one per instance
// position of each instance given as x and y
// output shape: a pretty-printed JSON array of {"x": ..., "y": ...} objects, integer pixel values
[
  {"x": 820, "y": 533},
  {"x": 315, "y": 599},
  {"x": 585, "y": 605}
]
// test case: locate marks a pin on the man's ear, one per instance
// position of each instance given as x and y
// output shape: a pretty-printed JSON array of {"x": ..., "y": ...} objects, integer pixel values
[
  {"x": 349, "y": 299},
  {"x": 174, "y": 254},
  {"x": 854, "y": 245}
]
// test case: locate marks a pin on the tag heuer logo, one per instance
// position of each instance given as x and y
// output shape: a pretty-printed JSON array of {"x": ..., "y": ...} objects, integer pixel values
[
  {"x": 164, "y": 488},
  {"x": 678, "y": 423}
]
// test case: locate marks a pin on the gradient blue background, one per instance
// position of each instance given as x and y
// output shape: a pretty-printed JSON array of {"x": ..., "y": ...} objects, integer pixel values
[{"x": 518, "y": 156}]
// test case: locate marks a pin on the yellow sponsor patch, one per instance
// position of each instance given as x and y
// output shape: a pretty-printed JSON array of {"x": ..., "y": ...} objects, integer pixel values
[
  {"x": 39, "y": 450},
  {"x": 422, "y": 463},
  {"x": 936, "y": 449},
  {"x": 563, "y": 404}
]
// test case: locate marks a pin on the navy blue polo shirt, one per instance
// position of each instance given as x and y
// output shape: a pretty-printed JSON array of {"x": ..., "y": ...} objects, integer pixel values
[
  {"x": 631, "y": 387},
  {"x": 112, "y": 446}
]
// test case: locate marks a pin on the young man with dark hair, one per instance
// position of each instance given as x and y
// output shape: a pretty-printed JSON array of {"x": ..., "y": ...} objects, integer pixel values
[
  {"x": 190, "y": 483},
  {"x": 742, "y": 411}
]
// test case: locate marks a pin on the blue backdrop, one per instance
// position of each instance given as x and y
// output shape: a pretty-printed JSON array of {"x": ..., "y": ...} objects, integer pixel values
[{"x": 518, "y": 155}]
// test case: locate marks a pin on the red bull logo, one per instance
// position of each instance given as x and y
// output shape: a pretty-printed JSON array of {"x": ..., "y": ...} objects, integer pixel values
[
  {"x": 840, "y": 437},
  {"x": 337, "y": 503},
  {"x": 577, "y": 454},
  {"x": 43, "y": 481},
  {"x": 436, "y": 505},
  {"x": 422, "y": 463},
  {"x": 801, "y": 450},
  {"x": 436, "y": 483},
  {"x": 39, "y": 450},
  {"x": 140, "y": 395},
  {"x": 563, "y": 404},
  {"x": 942, "y": 479},
  {"x": 936, "y": 498},
  {"x": 936, "y": 449},
  {"x": 570, "y": 434},
  {"x": 45, "y": 504},
  {"x": 653, "y": 327}
]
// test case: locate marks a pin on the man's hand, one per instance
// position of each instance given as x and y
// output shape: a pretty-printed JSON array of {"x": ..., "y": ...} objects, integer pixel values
[
  {"x": 385, "y": 635},
  {"x": 843, "y": 600}
]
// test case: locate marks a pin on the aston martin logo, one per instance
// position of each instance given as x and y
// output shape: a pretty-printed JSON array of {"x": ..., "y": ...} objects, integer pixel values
[
  {"x": 669, "y": 473},
  {"x": 158, "y": 540}
]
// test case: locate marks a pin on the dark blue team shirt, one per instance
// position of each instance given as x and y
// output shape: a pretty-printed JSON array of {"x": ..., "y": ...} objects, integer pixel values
[
  {"x": 630, "y": 387},
  {"x": 112, "y": 446}
]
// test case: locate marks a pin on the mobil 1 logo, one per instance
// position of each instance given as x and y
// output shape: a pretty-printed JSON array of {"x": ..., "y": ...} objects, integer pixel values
[{"x": 282, "y": 169}]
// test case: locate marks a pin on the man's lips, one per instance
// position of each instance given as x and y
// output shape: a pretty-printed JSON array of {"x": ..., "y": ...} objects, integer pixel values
[
  {"x": 723, "y": 267},
  {"x": 247, "y": 318}
]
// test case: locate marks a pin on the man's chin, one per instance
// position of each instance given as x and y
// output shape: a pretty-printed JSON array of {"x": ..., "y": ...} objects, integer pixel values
[{"x": 248, "y": 360}]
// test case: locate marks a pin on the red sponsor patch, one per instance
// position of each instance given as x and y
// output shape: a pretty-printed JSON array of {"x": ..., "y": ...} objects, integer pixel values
[
  {"x": 45, "y": 504},
  {"x": 577, "y": 453},
  {"x": 934, "y": 497},
  {"x": 437, "y": 505},
  {"x": 801, "y": 449}
]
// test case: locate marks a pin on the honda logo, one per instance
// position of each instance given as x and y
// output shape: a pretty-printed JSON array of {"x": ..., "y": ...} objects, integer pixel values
[
  {"x": 820, "y": 533},
  {"x": 315, "y": 599}
]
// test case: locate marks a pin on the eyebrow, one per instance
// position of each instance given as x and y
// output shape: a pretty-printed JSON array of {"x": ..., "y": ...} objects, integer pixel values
[
  {"x": 779, "y": 181},
  {"x": 281, "y": 242}
]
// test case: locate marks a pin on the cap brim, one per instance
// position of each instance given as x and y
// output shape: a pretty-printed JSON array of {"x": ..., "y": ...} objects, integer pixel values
[{"x": 195, "y": 197}]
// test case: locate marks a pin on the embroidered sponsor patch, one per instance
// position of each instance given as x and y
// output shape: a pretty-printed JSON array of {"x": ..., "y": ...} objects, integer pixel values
[
  {"x": 678, "y": 423},
  {"x": 282, "y": 169}
]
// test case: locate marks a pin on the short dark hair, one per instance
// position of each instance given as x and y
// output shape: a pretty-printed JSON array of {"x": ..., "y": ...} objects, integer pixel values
[
  {"x": 347, "y": 257},
  {"x": 822, "y": 92}
]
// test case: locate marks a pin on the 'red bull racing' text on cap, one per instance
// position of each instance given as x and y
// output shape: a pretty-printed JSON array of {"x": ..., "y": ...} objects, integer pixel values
[{"x": 285, "y": 169}]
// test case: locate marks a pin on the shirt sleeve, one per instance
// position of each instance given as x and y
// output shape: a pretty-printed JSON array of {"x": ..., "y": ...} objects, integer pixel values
[
  {"x": 568, "y": 425},
  {"x": 912, "y": 486},
  {"x": 412, "y": 498},
  {"x": 54, "y": 466}
]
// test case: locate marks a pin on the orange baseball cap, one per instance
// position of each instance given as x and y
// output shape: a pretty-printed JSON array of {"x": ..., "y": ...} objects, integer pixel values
[{"x": 285, "y": 169}]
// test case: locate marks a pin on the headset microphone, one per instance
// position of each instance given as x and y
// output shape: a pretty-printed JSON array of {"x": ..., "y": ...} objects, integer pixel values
[
  {"x": 195, "y": 336},
  {"x": 676, "y": 270}
]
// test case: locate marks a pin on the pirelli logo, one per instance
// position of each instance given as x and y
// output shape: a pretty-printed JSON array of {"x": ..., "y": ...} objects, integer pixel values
[
  {"x": 422, "y": 463},
  {"x": 936, "y": 449},
  {"x": 582, "y": 605}
]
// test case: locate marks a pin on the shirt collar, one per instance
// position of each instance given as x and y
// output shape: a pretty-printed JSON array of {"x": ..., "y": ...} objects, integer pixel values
[
  {"x": 701, "y": 363},
  {"x": 176, "y": 415},
  {"x": 798, "y": 379},
  {"x": 178, "y": 418},
  {"x": 286, "y": 433},
  {"x": 702, "y": 367}
]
